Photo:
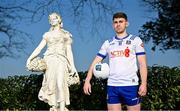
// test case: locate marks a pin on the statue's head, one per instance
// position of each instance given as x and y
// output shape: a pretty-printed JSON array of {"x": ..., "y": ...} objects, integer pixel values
[{"x": 55, "y": 19}]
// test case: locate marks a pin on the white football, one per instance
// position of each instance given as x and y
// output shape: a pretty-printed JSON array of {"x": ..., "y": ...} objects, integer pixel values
[{"x": 101, "y": 70}]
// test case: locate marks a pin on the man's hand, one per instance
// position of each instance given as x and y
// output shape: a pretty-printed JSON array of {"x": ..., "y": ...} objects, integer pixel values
[
  {"x": 87, "y": 87},
  {"x": 142, "y": 90}
]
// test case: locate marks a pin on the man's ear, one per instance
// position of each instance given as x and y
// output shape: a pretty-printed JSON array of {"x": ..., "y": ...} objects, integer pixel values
[
  {"x": 112, "y": 25},
  {"x": 127, "y": 24}
]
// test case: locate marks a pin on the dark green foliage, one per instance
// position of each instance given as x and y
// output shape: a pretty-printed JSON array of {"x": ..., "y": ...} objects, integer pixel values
[
  {"x": 163, "y": 88},
  {"x": 20, "y": 92},
  {"x": 97, "y": 99},
  {"x": 164, "y": 31},
  {"x": 30, "y": 93}
]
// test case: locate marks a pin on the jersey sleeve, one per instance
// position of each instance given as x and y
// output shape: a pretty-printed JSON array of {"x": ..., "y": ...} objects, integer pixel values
[
  {"x": 139, "y": 46},
  {"x": 103, "y": 51}
]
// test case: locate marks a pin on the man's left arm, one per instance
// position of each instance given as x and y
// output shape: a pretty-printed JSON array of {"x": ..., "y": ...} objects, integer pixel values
[{"x": 143, "y": 74}]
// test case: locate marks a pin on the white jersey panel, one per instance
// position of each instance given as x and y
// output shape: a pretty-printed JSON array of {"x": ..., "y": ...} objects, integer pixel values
[
  {"x": 103, "y": 51},
  {"x": 122, "y": 59}
]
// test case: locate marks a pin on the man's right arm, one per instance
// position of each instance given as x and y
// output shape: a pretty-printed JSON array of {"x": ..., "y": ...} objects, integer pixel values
[{"x": 87, "y": 84}]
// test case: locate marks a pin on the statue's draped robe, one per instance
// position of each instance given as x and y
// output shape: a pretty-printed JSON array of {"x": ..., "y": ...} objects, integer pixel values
[{"x": 54, "y": 86}]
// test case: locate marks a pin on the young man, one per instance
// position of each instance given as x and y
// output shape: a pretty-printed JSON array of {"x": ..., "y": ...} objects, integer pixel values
[{"x": 124, "y": 50}]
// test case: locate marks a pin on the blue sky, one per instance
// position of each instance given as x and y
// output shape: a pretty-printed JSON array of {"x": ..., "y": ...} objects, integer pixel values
[{"x": 85, "y": 44}]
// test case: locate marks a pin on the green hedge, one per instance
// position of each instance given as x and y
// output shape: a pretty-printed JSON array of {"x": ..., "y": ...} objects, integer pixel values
[
  {"x": 20, "y": 92},
  {"x": 163, "y": 88}
]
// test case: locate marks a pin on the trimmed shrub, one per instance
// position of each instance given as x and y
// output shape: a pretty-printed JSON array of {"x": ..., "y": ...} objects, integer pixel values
[{"x": 21, "y": 92}]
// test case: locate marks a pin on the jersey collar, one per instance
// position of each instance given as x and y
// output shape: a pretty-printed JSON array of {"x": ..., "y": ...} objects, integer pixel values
[{"x": 121, "y": 38}]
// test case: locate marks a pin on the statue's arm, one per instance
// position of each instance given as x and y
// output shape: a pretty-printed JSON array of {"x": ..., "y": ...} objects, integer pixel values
[
  {"x": 37, "y": 51},
  {"x": 70, "y": 57}
]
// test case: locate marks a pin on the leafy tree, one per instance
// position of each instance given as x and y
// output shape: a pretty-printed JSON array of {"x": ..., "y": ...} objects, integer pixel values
[
  {"x": 164, "y": 31},
  {"x": 163, "y": 88}
]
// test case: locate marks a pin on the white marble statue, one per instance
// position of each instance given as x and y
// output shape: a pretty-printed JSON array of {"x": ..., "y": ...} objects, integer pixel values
[{"x": 60, "y": 63}]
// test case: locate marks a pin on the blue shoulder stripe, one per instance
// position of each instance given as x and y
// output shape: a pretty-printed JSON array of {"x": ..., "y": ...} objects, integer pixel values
[
  {"x": 100, "y": 55},
  {"x": 140, "y": 53}
]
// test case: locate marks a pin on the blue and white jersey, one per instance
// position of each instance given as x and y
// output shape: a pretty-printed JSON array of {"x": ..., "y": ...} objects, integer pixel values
[{"x": 122, "y": 59}]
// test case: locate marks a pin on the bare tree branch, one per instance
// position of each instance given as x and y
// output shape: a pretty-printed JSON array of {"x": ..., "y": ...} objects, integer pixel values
[{"x": 12, "y": 12}]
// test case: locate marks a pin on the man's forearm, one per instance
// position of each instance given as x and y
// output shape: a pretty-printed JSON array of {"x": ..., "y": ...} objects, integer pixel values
[{"x": 143, "y": 73}]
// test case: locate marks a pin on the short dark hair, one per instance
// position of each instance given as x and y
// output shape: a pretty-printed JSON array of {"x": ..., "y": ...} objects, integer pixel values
[{"x": 120, "y": 15}]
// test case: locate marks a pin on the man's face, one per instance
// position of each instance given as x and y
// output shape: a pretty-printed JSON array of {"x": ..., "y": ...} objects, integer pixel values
[{"x": 119, "y": 25}]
